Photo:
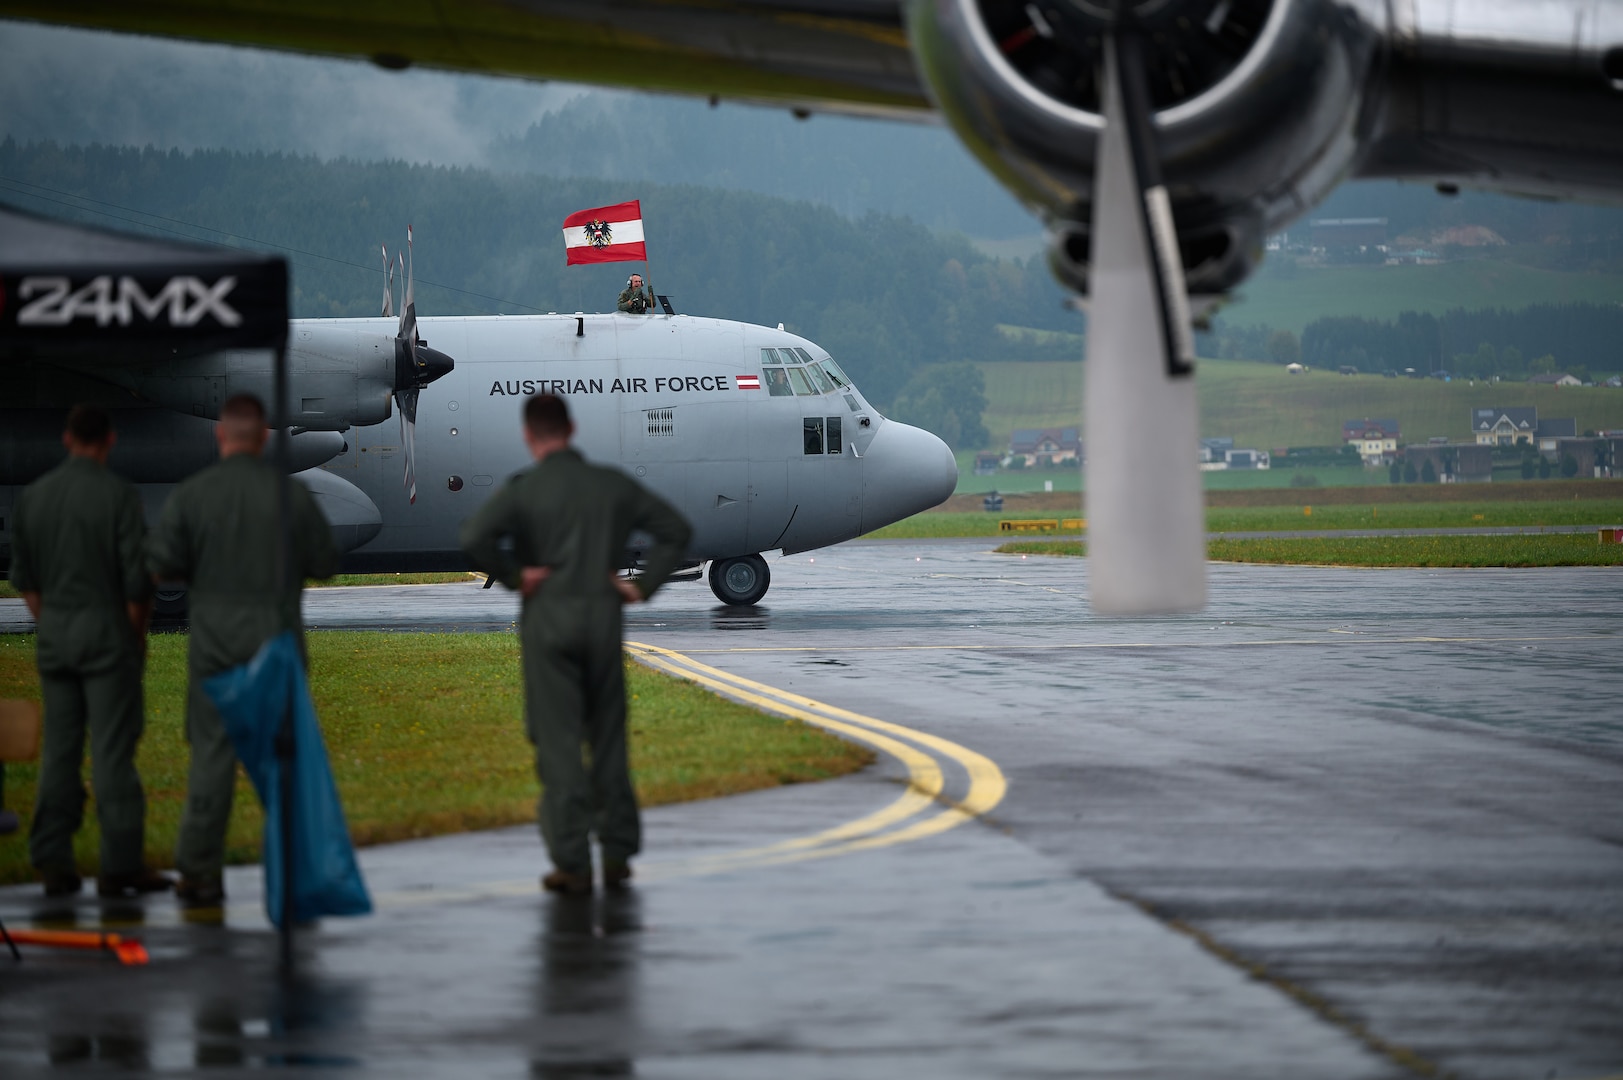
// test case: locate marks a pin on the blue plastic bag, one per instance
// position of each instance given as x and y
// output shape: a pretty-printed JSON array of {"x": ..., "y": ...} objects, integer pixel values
[{"x": 253, "y": 699}]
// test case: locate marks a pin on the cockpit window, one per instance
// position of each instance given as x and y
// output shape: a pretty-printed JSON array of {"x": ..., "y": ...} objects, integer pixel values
[
  {"x": 824, "y": 383},
  {"x": 805, "y": 357},
  {"x": 802, "y": 385},
  {"x": 840, "y": 377},
  {"x": 777, "y": 382},
  {"x": 811, "y": 431},
  {"x": 769, "y": 356}
]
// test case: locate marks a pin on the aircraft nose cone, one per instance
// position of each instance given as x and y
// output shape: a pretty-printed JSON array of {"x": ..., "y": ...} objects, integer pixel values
[{"x": 905, "y": 470}]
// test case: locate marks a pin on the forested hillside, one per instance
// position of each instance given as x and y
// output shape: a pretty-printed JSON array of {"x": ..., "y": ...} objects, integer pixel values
[{"x": 884, "y": 294}]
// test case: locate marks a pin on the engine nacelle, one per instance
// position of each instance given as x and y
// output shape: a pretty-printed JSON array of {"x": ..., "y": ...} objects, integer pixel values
[
  {"x": 155, "y": 446},
  {"x": 1257, "y": 110},
  {"x": 340, "y": 375}
]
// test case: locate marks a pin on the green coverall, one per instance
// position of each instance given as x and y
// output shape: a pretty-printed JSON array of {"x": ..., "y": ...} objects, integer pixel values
[
  {"x": 635, "y": 301},
  {"x": 576, "y": 519},
  {"x": 219, "y": 534},
  {"x": 77, "y": 536}
]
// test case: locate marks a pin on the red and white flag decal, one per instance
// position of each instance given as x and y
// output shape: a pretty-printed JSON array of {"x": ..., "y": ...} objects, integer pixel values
[
  {"x": 748, "y": 382},
  {"x": 606, "y": 234}
]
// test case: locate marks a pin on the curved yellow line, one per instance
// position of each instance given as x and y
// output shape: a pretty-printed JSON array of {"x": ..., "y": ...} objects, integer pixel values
[
  {"x": 987, "y": 785},
  {"x": 925, "y": 781}
]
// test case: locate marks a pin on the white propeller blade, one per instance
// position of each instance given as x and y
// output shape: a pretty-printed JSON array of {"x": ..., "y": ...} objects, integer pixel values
[
  {"x": 388, "y": 283},
  {"x": 1146, "y": 514}
]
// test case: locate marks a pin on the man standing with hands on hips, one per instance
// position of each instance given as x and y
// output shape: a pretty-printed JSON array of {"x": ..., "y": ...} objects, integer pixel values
[{"x": 569, "y": 524}]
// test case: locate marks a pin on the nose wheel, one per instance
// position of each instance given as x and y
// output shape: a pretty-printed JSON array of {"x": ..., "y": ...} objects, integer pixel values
[{"x": 740, "y": 581}]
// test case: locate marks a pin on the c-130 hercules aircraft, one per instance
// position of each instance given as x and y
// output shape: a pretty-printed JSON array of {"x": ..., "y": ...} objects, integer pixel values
[
  {"x": 1158, "y": 140},
  {"x": 757, "y": 436}
]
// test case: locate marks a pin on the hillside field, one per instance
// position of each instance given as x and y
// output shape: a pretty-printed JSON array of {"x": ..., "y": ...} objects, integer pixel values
[
  {"x": 1262, "y": 406},
  {"x": 1289, "y": 301}
]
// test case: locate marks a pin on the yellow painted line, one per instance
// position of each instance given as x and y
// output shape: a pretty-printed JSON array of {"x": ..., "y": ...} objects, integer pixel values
[
  {"x": 986, "y": 782},
  {"x": 987, "y": 787}
]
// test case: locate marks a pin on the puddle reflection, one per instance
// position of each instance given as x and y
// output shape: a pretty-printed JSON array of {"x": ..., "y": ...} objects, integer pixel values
[
  {"x": 727, "y": 617},
  {"x": 587, "y": 989}
]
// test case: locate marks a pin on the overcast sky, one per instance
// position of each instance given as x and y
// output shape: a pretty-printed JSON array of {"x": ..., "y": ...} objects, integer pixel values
[{"x": 78, "y": 86}]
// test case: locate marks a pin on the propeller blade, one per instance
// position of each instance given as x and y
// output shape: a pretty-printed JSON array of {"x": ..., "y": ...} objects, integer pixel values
[
  {"x": 406, "y": 400},
  {"x": 1146, "y": 514},
  {"x": 408, "y": 306},
  {"x": 388, "y": 283}
]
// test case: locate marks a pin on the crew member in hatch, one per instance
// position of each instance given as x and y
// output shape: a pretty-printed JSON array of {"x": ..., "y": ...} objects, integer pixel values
[{"x": 634, "y": 298}]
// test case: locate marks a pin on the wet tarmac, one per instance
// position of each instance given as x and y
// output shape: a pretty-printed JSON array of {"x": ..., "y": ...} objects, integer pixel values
[{"x": 1344, "y": 823}]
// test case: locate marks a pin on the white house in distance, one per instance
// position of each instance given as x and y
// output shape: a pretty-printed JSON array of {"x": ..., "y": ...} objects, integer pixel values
[
  {"x": 1559, "y": 378},
  {"x": 1377, "y": 440},
  {"x": 1504, "y": 426},
  {"x": 1044, "y": 446}
]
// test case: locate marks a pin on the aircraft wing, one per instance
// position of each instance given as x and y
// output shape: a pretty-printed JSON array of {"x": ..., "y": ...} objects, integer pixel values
[{"x": 847, "y": 56}]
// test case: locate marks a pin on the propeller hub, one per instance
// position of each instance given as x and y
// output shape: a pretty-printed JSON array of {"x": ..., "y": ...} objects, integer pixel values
[{"x": 417, "y": 366}]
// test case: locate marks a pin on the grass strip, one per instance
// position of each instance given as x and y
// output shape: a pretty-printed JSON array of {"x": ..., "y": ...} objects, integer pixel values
[
  {"x": 1414, "y": 551},
  {"x": 426, "y": 736},
  {"x": 1304, "y": 516},
  {"x": 394, "y": 579}
]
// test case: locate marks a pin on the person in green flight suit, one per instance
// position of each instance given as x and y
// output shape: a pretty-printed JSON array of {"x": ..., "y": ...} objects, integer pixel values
[
  {"x": 220, "y": 535},
  {"x": 634, "y": 299},
  {"x": 77, "y": 535},
  {"x": 569, "y": 524}
]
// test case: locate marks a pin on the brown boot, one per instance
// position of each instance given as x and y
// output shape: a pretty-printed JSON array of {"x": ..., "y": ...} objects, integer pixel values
[
  {"x": 562, "y": 881},
  {"x": 135, "y": 883}
]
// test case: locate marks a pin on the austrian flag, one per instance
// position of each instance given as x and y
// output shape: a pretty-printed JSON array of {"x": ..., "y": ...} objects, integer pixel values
[
  {"x": 748, "y": 382},
  {"x": 606, "y": 234}
]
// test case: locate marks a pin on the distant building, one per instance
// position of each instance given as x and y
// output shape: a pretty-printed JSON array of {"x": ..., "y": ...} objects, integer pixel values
[
  {"x": 1246, "y": 459},
  {"x": 1294, "y": 369},
  {"x": 1377, "y": 440},
  {"x": 986, "y": 463},
  {"x": 1045, "y": 446},
  {"x": 1559, "y": 378},
  {"x": 1550, "y": 430},
  {"x": 1453, "y": 463},
  {"x": 1213, "y": 449},
  {"x": 1343, "y": 234},
  {"x": 1504, "y": 426}
]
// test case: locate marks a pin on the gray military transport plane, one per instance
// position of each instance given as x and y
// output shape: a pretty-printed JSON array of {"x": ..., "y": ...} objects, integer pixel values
[{"x": 756, "y": 435}]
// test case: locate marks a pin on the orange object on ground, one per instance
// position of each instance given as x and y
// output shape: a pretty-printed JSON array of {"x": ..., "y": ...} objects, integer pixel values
[{"x": 128, "y": 952}]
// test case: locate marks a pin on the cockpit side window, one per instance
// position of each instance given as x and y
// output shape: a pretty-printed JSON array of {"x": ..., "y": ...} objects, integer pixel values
[
  {"x": 769, "y": 356},
  {"x": 802, "y": 385},
  {"x": 777, "y": 382},
  {"x": 824, "y": 383},
  {"x": 812, "y": 434}
]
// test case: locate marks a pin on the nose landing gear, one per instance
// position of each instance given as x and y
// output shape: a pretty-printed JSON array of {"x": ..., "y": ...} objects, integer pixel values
[{"x": 740, "y": 581}]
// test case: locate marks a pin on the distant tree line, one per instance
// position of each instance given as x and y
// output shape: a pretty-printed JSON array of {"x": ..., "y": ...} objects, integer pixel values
[
  {"x": 893, "y": 301},
  {"x": 1478, "y": 343}
]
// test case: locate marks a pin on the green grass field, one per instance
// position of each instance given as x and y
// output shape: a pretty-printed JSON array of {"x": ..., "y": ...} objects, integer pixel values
[
  {"x": 1290, "y": 302},
  {"x": 1305, "y": 516},
  {"x": 426, "y": 737},
  {"x": 1262, "y": 406},
  {"x": 1387, "y": 551}
]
